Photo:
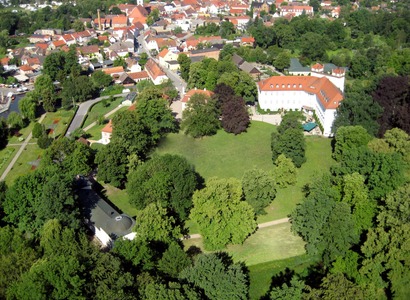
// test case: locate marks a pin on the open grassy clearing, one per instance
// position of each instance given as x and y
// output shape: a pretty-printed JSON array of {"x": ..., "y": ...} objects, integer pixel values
[
  {"x": 56, "y": 122},
  {"x": 22, "y": 134},
  {"x": 22, "y": 166},
  {"x": 260, "y": 275},
  {"x": 271, "y": 243},
  {"x": 224, "y": 155},
  {"x": 94, "y": 133},
  {"x": 6, "y": 155},
  {"x": 100, "y": 110},
  {"x": 120, "y": 199}
]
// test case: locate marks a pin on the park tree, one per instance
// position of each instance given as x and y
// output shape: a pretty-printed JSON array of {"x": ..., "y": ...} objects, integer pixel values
[
  {"x": 134, "y": 136},
  {"x": 28, "y": 106},
  {"x": 282, "y": 61},
  {"x": 358, "y": 108},
  {"x": 15, "y": 120},
  {"x": 100, "y": 79},
  {"x": 386, "y": 262},
  {"x": 76, "y": 89},
  {"x": 291, "y": 143},
  {"x": 259, "y": 189},
  {"x": 143, "y": 59},
  {"x": 184, "y": 64},
  {"x": 44, "y": 88},
  {"x": 70, "y": 156},
  {"x": 174, "y": 260},
  {"x": 221, "y": 214},
  {"x": 78, "y": 25},
  {"x": 54, "y": 65},
  {"x": 4, "y": 133},
  {"x": 349, "y": 137},
  {"x": 226, "y": 29},
  {"x": 201, "y": 116},
  {"x": 112, "y": 162},
  {"x": 168, "y": 179},
  {"x": 136, "y": 252},
  {"x": 313, "y": 45},
  {"x": 154, "y": 113},
  {"x": 218, "y": 276},
  {"x": 393, "y": 95},
  {"x": 288, "y": 290},
  {"x": 234, "y": 115},
  {"x": 284, "y": 172},
  {"x": 324, "y": 222},
  {"x": 154, "y": 224},
  {"x": 242, "y": 84}
]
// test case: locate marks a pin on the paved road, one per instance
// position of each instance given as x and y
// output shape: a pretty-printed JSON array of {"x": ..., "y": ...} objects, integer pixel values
[
  {"x": 25, "y": 143},
  {"x": 262, "y": 225},
  {"x": 178, "y": 82},
  {"x": 83, "y": 110}
]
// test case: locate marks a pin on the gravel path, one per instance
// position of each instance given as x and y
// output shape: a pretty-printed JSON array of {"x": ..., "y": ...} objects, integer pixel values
[{"x": 262, "y": 225}]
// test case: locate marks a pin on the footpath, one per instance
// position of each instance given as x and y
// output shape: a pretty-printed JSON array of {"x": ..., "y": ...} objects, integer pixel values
[
  {"x": 262, "y": 225},
  {"x": 16, "y": 157}
]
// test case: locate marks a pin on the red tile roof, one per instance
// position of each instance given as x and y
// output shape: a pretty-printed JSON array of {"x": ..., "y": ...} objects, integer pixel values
[
  {"x": 138, "y": 75},
  {"x": 328, "y": 94},
  {"x": 153, "y": 69},
  {"x": 107, "y": 128},
  {"x": 190, "y": 93}
]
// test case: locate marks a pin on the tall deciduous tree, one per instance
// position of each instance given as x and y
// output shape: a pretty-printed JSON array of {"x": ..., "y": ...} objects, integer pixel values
[
  {"x": 235, "y": 116},
  {"x": 221, "y": 214},
  {"x": 259, "y": 189},
  {"x": 393, "y": 94},
  {"x": 28, "y": 105},
  {"x": 218, "y": 277},
  {"x": 284, "y": 172},
  {"x": 200, "y": 117},
  {"x": 291, "y": 143},
  {"x": 349, "y": 137},
  {"x": 169, "y": 179},
  {"x": 185, "y": 64}
]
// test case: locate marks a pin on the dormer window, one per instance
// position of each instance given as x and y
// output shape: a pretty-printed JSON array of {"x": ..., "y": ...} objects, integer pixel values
[
  {"x": 300, "y": 86},
  {"x": 271, "y": 86},
  {"x": 294, "y": 86},
  {"x": 283, "y": 86},
  {"x": 277, "y": 85},
  {"x": 288, "y": 85}
]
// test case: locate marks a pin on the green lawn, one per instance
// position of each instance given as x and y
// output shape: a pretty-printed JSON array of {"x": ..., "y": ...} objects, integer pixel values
[
  {"x": 57, "y": 121},
  {"x": 100, "y": 110},
  {"x": 260, "y": 275},
  {"x": 271, "y": 243},
  {"x": 95, "y": 131},
  {"x": 224, "y": 155},
  {"x": 23, "y": 133},
  {"x": 120, "y": 199},
  {"x": 22, "y": 166},
  {"x": 6, "y": 155}
]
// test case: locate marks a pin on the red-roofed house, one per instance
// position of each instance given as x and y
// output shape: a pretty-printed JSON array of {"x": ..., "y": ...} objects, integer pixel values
[
  {"x": 114, "y": 72},
  {"x": 189, "y": 94},
  {"x": 298, "y": 92},
  {"x": 106, "y": 133},
  {"x": 26, "y": 69},
  {"x": 154, "y": 72},
  {"x": 119, "y": 21},
  {"x": 297, "y": 10},
  {"x": 139, "y": 76},
  {"x": 68, "y": 39},
  {"x": 247, "y": 41}
]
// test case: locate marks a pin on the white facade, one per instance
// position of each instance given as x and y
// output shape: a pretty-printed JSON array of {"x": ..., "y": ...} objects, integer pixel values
[{"x": 298, "y": 93}]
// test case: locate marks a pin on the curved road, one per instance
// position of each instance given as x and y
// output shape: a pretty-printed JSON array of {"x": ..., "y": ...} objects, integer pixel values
[{"x": 83, "y": 110}]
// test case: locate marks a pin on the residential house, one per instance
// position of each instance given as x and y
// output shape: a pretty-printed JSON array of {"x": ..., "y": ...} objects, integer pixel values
[
  {"x": 139, "y": 76},
  {"x": 68, "y": 39},
  {"x": 247, "y": 41},
  {"x": 125, "y": 80},
  {"x": 122, "y": 48},
  {"x": 302, "y": 92},
  {"x": 106, "y": 133},
  {"x": 39, "y": 38},
  {"x": 119, "y": 21},
  {"x": 166, "y": 55},
  {"x": 185, "y": 99},
  {"x": 296, "y": 10},
  {"x": 209, "y": 53},
  {"x": 155, "y": 72},
  {"x": 104, "y": 220},
  {"x": 114, "y": 72},
  {"x": 245, "y": 66},
  {"x": 26, "y": 70}
]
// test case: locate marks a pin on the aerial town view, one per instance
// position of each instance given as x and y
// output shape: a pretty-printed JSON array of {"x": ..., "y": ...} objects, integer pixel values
[{"x": 205, "y": 149}]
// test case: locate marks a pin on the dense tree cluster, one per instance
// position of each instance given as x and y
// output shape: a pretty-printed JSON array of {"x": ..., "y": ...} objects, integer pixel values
[
  {"x": 209, "y": 73},
  {"x": 289, "y": 139},
  {"x": 135, "y": 134},
  {"x": 356, "y": 220}
]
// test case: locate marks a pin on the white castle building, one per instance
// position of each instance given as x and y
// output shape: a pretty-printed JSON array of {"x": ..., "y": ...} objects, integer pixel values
[{"x": 320, "y": 92}]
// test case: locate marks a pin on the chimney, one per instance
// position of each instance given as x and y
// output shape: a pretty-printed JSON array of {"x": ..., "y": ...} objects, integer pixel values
[{"x": 99, "y": 19}]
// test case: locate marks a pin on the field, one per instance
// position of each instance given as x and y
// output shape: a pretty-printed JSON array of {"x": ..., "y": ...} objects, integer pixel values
[
  {"x": 225, "y": 155},
  {"x": 29, "y": 158},
  {"x": 6, "y": 155},
  {"x": 56, "y": 122}
]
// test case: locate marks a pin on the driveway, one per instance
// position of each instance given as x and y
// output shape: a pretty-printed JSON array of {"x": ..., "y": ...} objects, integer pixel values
[{"x": 83, "y": 110}]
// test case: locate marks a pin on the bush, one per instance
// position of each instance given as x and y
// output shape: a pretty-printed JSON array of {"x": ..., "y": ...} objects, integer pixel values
[
  {"x": 38, "y": 130},
  {"x": 44, "y": 141}
]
